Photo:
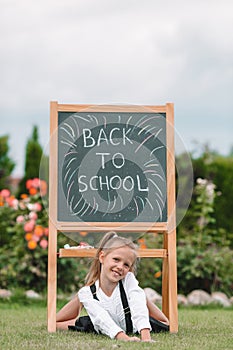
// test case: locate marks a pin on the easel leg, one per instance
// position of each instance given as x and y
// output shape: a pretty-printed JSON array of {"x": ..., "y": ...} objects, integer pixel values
[
  {"x": 169, "y": 283},
  {"x": 52, "y": 279},
  {"x": 165, "y": 289}
]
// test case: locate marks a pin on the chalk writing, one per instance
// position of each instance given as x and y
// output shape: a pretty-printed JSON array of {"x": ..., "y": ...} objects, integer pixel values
[{"x": 112, "y": 167}]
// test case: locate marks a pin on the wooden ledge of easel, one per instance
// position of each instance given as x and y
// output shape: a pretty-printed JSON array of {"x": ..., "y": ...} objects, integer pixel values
[{"x": 90, "y": 253}]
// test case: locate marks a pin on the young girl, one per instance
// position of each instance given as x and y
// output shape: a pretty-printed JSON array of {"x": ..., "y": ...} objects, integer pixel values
[{"x": 115, "y": 261}]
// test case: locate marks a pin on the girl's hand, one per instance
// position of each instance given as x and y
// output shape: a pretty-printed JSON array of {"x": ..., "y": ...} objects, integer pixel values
[
  {"x": 134, "y": 339},
  {"x": 145, "y": 335},
  {"x": 125, "y": 337}
]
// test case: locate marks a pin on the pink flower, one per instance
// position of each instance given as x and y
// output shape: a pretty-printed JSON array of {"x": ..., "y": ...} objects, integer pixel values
[
  {"x": 29, "y": 226},
  {"x": 46, "y": 231},
  {"x": 28, "y": 184},
  {"x": 36, "y": 182},
  {"x": 20, "y": 219},
  {"x": 37, "y": 206},
  {"x": 32, "y": 215},
  {"x": 5, "y": 193},
  {"x": 35, "y": 238},
  {"x": 13, "y": 202},
  {"x": 44, "y": 243},
  {"x": 34, "y": 206},
  {"x": 43, "y": 187}
]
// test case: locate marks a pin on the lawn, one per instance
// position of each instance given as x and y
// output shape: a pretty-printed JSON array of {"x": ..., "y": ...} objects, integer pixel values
[{"x": 24, "y": 327}]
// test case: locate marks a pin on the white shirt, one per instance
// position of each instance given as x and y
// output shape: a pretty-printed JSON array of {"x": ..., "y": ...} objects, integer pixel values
[{"x": 107, "y": 314}]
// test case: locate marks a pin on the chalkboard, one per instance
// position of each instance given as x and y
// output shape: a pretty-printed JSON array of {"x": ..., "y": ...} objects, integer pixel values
[{"x": 111, "y": 167}]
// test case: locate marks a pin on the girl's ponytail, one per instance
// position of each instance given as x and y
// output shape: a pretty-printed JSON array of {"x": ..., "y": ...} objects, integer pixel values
[{"x": 104, "y": 242}]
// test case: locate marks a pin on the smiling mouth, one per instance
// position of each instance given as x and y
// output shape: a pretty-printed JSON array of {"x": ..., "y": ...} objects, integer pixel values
[{"x": 116, "y": 273}]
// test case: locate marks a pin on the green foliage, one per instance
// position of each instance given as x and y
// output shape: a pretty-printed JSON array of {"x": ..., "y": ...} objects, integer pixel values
[
  {"x": 149, "y": 270},
  {"x": 205, "y": 236},
  {"x": 23, "y": 251},
  {"x": 210, "y": 269},
  {"x": 222, "y": 172},
  {"x": 219, "y": 170},
  {"x": 20, "y": 266},
  {"x": 6, "y": 164},
  {"x": 204, "y": 256},
  {"x": 204, "y": 242},
  {"x": 33, "y": 156},
  {"x": 71, "y": 273},
  {"x": 6, "y": 212},
  {"x": 204, "y": 253},
  {"x": 44, "y": 168}
]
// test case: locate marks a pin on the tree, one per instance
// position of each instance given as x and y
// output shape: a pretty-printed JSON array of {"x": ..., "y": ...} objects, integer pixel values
[
  {"x": 219, "y": 170},
  {"x": 204, "y": 254},
  {"x": 32, "y": 159},
  {"x": 6, "y": 164}
]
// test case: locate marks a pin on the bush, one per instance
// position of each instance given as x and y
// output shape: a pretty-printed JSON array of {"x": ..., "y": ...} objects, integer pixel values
[
  {"x": 149, "y": 271},
  {"x": 204, "y": 253},
  {"x": 219, "y": 170},
  {"x": 24, "y": 241},
  {"x": 210, "y": 269}
]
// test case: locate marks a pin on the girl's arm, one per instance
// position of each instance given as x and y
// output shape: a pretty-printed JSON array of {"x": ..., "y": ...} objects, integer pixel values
[
  {"x": 100, "y": 318},
  {"x": 145, "y": 334},
  {"x": 69, "y": 310},
  {"x": 137, "y": 303},
  {"x": 155, "y": 312},
  {"x": 68, "y": 314}
]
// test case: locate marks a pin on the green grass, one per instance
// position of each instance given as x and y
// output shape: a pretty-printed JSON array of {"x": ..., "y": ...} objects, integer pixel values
[{"x": 24, "y": 327}]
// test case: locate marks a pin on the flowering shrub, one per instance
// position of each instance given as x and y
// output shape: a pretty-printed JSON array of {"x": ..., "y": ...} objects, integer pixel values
[
  {"x": 24, "y": 241},
  {"x": 29, "y": 213},
  {"x": 24, "y": 228},
  {"x": 203, "y": 254},
  {"x": 204, "y": 257}
]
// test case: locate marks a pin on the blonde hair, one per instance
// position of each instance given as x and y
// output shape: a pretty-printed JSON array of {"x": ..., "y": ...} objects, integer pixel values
[{"x": 109, "y": 242}]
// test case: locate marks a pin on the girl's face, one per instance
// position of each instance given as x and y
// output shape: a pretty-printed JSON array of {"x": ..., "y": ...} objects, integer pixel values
[{"x": 117, "y": 263}]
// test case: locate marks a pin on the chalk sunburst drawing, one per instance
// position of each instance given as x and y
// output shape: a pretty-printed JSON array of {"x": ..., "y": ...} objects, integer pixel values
[{"x": 112, "y": 167}]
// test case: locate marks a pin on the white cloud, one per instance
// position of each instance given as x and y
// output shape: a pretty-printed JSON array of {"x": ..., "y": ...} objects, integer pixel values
[{"x": 108, "y": 51}]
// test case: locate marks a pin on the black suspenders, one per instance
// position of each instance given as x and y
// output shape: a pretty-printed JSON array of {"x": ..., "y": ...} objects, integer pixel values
[
  {"x": 128, "y": 321},
  {"x": 93, "y": 290}
]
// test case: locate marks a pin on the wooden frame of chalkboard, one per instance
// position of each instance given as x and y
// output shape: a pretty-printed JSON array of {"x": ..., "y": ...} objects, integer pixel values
[{"x": 112, "y": 167}]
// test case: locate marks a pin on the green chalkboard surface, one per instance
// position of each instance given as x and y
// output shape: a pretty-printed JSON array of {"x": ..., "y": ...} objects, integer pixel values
[{"x": 112, "y": 167}]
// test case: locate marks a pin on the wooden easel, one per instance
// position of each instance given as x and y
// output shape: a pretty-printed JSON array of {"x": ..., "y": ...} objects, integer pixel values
[{"x": 167, "y": 229}]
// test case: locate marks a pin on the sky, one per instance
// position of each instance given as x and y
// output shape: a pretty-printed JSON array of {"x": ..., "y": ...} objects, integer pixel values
[{"x": 117, "y": 52}]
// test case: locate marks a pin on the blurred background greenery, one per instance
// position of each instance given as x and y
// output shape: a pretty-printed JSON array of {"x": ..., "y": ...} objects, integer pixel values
[{"x": 204, "y": 236}]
